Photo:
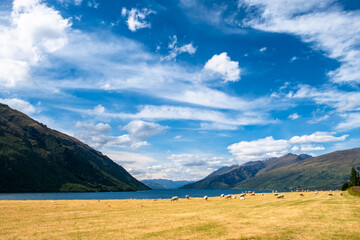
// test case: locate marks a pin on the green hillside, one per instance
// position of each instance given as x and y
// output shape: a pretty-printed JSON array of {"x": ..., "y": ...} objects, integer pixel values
[
  {"x": 34, "y": 158},
  {"x": 290, "y": 172}
]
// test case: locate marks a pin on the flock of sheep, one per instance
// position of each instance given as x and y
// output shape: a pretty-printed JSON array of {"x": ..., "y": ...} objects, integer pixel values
[{"x": 243, "y": 194}]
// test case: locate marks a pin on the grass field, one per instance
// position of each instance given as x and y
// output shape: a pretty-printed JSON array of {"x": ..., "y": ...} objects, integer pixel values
[{"x": 260, "y": 217}]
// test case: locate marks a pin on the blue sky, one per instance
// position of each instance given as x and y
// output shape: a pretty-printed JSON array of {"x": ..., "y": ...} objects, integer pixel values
[{"x": 177, "y": 89}]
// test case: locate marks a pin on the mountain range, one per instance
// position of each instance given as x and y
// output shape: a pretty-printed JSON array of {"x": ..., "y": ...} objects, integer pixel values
[
  {"x": 35, "y": 158},
  {"x": 289, "y": 172},
  {"x": 164, "y": 183}
]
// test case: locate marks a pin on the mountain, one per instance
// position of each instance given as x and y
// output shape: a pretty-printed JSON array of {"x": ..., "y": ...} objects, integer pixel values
[
  {"x": 290, "y": 172},
  {"x": 164, "y": 183},
  {"x": 34, "y": 158}
]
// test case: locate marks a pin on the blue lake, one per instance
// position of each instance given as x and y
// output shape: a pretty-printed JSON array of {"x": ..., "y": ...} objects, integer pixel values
[{"x": 150, "y": 194}]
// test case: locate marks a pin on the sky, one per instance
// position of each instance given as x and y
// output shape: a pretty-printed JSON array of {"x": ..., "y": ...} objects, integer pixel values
[{"x": 176, "y": 89}]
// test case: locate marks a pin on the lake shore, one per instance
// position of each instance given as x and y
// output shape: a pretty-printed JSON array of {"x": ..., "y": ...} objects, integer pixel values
[{"x": 312, "y": 216}]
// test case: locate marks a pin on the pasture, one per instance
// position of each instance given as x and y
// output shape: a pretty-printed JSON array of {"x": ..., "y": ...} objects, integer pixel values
[{"x": 312, "y": 216}]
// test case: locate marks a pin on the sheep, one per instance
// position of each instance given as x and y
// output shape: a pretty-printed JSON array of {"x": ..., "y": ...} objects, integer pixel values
[
  {"x": 187, "y": 197},
  {"x": 206, "y": 198},
  {"x": 222, "y": 195},
  {"x": 252, "y": 194},
  {"x": 316, "y": 193},
  {"x": 297, "y": 190},
  {"x": 174, "y": 198},
  {"x": 242, "y": 195},
  {"x": 276, "y": 194},
  {"x": 52, "y": 201},
  {"x": 301, "y": 194},
  {"x": 234, "y": 197},
  {"x": 228, "y": 196},
  {"x": 262, "y": 194},
  {"x": 242, "y": 198},
  {"x": 330, "y": 194},
  {"x": 280, "y": 196}
]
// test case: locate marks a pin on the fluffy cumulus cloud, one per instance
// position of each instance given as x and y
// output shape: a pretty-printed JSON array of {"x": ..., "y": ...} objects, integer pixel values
[
  {"x": 19, "y": 104},
  {"x": 136, "y": 18},
  {"x": 259, "y": 149},
  {"x": 269, "y": 147},
  {"x": 294, "y": 116},
  {"x": 34, "y": 31},
  {"x": 221, "y": 65},
  {"x": 97, "y": 135},
  {"x": 176, "y": 50},
  {"x": 321, "y": 22}
]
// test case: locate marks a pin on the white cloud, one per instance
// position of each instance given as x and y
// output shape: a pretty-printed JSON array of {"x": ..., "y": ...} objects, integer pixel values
[
  {"x": 20, "y": 105},
  {"x": 294, "y": 116},
  {"x": 98, "y": 135},
  {"x": 259, "y": 149},
  {"x": 142, "y": 130},
  {"x": 269, "y": 147},
  {"x": 341, "y": 101},
  {"x": 99, "y": 109},
  {"x": 321, "y": 22},
  {"x": 309, "y": 148},
  {"x": 317, "y": 137},
  {"x": 136, "y": 18},
  {"x": 177, "y": 137},
  {"x": 262, "y": 49},
  {"x": 175, "y": 50},
  {"x": 222, "y": 65},
  {"x": 294, "y": 58},
  {"x": 93, "y": 4},
  {"x": 34, "y": 31},
  {"x": 351, "y": 121},
  {"x": 67, "y": 2}
]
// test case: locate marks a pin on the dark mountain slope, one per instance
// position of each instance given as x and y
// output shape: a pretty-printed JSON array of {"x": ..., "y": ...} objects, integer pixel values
[
  {"x": 34, "y": 158},
  {"x": 227, "y": 180}
]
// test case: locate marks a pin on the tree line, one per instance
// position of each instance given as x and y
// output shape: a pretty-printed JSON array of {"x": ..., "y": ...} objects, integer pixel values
[{"x": 354, "y": 180}]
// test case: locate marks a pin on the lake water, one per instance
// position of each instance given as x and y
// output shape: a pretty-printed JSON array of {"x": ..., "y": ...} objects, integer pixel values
[{"x": 150, "y": 194}]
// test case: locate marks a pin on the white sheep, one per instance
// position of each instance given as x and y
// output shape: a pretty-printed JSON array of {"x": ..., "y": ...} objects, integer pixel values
[
  {"x": 174, "y": 198},
  {"x": 252, "y": 194},
  {"x": 242, "y": 198},
  {"x": 242, "y": 195},
  {"x": 228, "y": 196},
  {"x": 187, "y": 197},
  {"x": 262, "y": 194},
  {"x": 280, "y": 196},
  {"x": 276, "y": 194},
  {"x": 316, "y": 193},
  {"x": 222, "y": 195},
  {"x": 206, "y": 198},
  {"x": 234, "y": 197}
]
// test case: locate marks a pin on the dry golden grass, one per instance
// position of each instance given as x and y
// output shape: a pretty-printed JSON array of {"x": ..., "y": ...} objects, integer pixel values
[{"x": 260, "y": 217}]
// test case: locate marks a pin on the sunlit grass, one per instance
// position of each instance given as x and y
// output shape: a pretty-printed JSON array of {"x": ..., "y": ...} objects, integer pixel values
[{"x": 260, "y": 217}]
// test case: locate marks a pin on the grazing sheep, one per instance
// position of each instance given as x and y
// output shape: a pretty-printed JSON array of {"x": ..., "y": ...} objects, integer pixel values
[
  {"x": 242, "y": 195},
  {"x": 206, "y": 198},
  {"x": 316, "y": 193},
  {"x": 234, "y": 197},
  {"x": 52, "y": 201},
  {"x": 187, "y": 197},
  {"x": 330, "y": 194},
  {"x": 301, "y": 194},
  {"x": 222, "y": 195},
  {"x": 174, "y": 198},
  {"x": 276, "y": 194},
  {"x": 280, "y": 196},
  {"x": 297, "y": 190},
  {"x": 341, "y": 194},
  {"x": 242, "y": 198},
  {"x": 228, "y": 196},
  {"x": 252, "y": 194},
  {"x": 262, "y": 194}
]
